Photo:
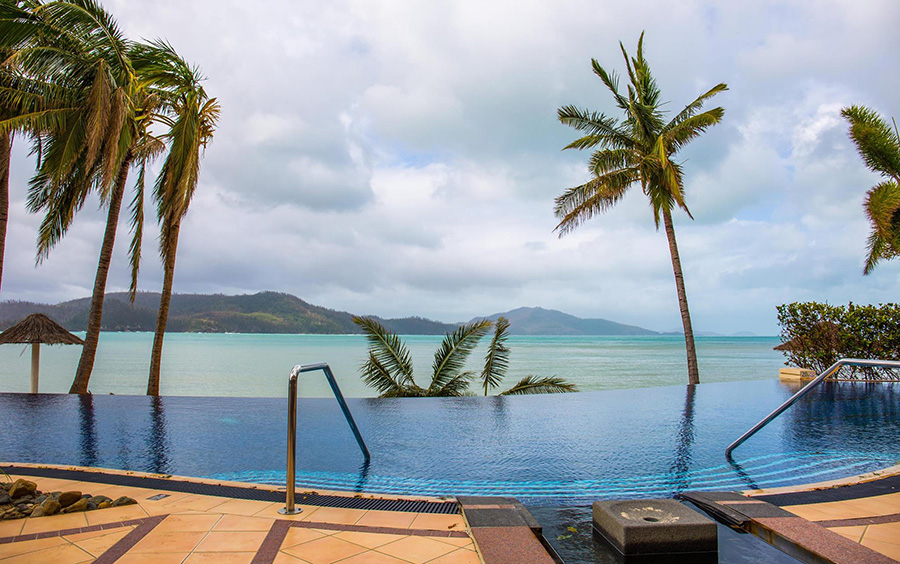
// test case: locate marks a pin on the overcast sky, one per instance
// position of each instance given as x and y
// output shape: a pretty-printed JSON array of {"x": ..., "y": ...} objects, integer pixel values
[{"x": 401, "y": 158}]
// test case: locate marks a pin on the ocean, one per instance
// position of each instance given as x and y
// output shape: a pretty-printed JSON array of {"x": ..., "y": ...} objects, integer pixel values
[{"x": 253, "y": 365}]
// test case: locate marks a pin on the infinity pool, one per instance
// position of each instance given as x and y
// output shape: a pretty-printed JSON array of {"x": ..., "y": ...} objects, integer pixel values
[{"x": 552, "y": 451}]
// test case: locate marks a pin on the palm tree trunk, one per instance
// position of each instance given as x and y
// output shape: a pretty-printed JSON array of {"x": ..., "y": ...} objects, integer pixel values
[
  {"x": 89, "y": 351},
  {"x": 5, "y": 151},
  {"x": 162, "y": 319},
  {"x": 693, "y": 373}
]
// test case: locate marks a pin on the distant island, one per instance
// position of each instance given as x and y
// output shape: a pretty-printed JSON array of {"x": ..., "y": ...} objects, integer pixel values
[{"x": 275, "y": 312}]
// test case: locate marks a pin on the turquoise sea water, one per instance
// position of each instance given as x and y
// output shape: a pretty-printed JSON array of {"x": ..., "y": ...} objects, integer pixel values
[{"x": 252, "y": 365}]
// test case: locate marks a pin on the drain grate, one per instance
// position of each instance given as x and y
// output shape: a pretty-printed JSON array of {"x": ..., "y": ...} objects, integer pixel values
[{"x": 237, "y": 492}]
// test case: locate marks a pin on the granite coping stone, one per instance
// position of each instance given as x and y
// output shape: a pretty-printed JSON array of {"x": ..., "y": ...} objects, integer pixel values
[{"x": 654, "y": 526}]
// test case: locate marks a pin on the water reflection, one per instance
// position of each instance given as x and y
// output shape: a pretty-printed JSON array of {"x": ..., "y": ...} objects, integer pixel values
[
  {"x": 88, "y": 439},
  {"x": 363, "y": 477},
  {"x": 681, "y": 464},
  {"x": 157, "y": 443}
]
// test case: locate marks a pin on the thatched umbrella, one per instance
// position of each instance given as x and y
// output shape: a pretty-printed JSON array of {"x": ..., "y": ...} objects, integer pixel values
[{"x": 36, "y": 329}]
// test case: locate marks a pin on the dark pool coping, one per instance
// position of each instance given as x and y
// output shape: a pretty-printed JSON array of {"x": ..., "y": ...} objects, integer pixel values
[
  {"x": 882, "y": 486},
  {"x": 182, "y": 485}
]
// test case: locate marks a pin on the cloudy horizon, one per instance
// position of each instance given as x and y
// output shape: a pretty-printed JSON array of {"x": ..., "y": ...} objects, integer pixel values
[{"x": 401, "y": 158}]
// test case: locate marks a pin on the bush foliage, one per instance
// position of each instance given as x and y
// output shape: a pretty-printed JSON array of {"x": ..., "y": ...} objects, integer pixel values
[{"x": 817, "y": 334}]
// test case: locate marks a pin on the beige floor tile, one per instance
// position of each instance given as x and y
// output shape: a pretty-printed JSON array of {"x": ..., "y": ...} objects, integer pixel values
[
  {"x": 299, "y": 535},
  {"x": 890, "y": 550},
  {"x": 876, "y": 505},
  {"x": 168, "y": 542},
  {"x": 113, "y": 514},
  {"x": 54, "y": 523},
  {"x": 271, "y": 512},
  {"x": 267, "y": 509},
  {"x": 11, "y": 528},
  {"x": 325, "y": 550},
  {"x": 284, "y": 558},
  {"x": 887, "y": 532},
  {"x": 15, "y": 548},
  {"x": 65, "y": 554},
  {"x": 232, "y": 541},
  {"x": 373, "y": 557},
  {"x": 242, "y": 523},
  {"x": 245, "y": 507},
  {"x": 189, "y": 522},
  {"x": 392, "y": 519},
  {"x": 220, "y": 558},
  {"x": 192, "y": 502},
  {"x": 153, "y": 558},
  {"x": 438, "y": 522},
  {"x": 854, "y": 533},
  {"x": 368, "y": 540},
  {"x": 417, "y": 549},
  {"x": 461, "y": 556},
  {"x": 335, "y": 515},
  {"x": 98, "y": 544},
  {"x": 456, "y": 541}
]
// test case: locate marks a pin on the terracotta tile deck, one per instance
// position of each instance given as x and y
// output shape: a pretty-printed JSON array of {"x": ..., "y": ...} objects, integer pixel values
[
  {"x": 196, "y": 529},
  {"x": 873, "y": 522}
]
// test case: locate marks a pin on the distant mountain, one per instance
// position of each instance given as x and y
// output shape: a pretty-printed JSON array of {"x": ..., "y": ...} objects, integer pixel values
[
  {"x": 265, "y": 312},
  {"x": 540, "y": 321}
]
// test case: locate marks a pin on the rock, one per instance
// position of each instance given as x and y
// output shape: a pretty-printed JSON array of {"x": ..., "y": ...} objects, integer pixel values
[
  {"x": 68, "y": 498},
  {"x": 50, "y": 506},
  {"x": 98, "y": 499},
  {"x": 4, "y": 498},
  {"x": 40, "y": 498},
  {"x": 22, "y": 487},
  {"x": 38, "y": 511},
  {"x": 91, "y": 505},
  {"x": 124, "y": 500},
  {"x": 80, "y": 505},
  {"x": 104, "y": 504}
]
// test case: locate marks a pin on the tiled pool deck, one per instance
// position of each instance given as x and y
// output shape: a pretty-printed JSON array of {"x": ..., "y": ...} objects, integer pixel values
[{"x": 193, "y": 529}]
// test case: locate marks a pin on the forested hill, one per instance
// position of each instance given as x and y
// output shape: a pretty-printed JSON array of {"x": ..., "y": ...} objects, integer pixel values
[
  {"x": 540, "y": 321},
  {"x": 265, "y": 312}
]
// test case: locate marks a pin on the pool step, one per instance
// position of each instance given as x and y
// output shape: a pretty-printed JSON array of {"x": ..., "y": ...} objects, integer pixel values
[{"x": 505, "y": 532}]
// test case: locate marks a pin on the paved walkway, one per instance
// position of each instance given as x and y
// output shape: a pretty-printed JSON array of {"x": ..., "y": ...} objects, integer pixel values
[{"x": 166, "y": 527}]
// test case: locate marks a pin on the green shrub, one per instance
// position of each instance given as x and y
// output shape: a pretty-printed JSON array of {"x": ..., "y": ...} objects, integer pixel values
[{"x": 815, "y": 335}]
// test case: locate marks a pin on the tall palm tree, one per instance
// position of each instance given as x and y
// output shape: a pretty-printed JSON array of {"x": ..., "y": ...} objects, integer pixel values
[
  {"x": 191, "y": 116},
  {"x": 88, "y": 138},
  {"x": 389, "y": 368},
  {"x": 637, "y": 150},
  {"x": 879, "y": 147}
]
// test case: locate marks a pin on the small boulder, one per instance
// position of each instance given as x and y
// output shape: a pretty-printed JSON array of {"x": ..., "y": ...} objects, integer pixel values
[
  {"x": 68, "y": 498},
  {"x": 80, "y": 505},
  {"x": 104, "y": 504},
  {"x": 22, "y": 487},
  {"x": 38, "y": 511},
  {"x": 50, "y": 506},
  {"x": 124, "y": 500},
  {"x": 98, "y": 499},
  {"x": 4, "y": 498}
]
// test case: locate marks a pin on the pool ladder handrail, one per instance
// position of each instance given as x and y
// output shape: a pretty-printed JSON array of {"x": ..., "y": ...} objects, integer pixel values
[
  {"x": 289, "y": 507},
  {"x": 808, "y": 388}
]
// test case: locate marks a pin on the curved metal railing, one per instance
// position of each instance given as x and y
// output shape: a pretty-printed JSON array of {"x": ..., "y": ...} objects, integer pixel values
[
  {"x": 289, "y": 507},
  {"x": 894, "y": 364}
]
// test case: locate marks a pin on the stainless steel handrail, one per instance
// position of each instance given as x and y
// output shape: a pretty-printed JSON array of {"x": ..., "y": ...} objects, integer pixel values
[
  {"x": 289, "y": 507},
  {"x": 808, "y": 388}
]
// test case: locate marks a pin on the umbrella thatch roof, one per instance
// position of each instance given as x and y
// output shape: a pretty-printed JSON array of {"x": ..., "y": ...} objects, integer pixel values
[{"x": 38, "y": 328}]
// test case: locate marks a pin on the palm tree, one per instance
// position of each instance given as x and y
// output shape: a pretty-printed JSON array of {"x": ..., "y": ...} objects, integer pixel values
[
  {"x": 191, "y": 117},
  {"x": 879, "y": 147},
  {"x": 88, "y": 134},
  {"x": 638, "y": 149},
  {"x": 389, "y": 367}
]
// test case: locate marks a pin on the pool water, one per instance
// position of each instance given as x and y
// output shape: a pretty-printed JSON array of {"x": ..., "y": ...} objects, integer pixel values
[{"x": 563, "y": 450}]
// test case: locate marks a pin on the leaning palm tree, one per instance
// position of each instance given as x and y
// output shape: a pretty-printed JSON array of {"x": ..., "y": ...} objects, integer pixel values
[
  {"x": 88, "y": 134},
  {"x": 879, "y": 147},
  {"x": 389, "y": 367},
  {"x": 637, "y": 150},
  {"x": 191, "y": 116}
]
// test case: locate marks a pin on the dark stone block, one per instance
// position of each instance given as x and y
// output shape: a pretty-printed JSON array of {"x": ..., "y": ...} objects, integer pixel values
[
  {"x": 494, "y": 518},
  {"x": 654, "y": 526}
]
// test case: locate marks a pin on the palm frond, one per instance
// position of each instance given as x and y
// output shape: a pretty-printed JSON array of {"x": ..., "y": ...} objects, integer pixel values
[
  {"x": 691, "y": 109},
  {"x": 454, "y": 387},
  {"x": 496, "y": 360},
  {"x": 376, "y": 375},
  {"x": 540, "y": 385},
  {"x": 580, "y": 203},
  {"x": 877, "y": 144},
  {"x": 388, "y": 349},
  {"x": 450, "y": 358}
]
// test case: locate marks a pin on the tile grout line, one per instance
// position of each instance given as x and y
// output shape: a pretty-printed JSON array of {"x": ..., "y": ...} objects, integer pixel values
[
  {"x": 72, "y": 531},
  {"x": 126, "y": 543}
]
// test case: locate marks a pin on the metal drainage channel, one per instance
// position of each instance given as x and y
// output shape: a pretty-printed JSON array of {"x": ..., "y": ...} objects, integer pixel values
[{"x": 319, "y": 500}]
